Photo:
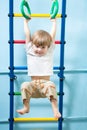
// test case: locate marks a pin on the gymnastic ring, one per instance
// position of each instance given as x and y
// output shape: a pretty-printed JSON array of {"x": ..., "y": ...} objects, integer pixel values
[
  {"x": 24, "y": 3},
  {"x": 54, "y": 9}
]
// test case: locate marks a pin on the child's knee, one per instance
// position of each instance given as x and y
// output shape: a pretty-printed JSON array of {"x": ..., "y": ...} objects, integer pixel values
[
  {"x": 26, "y": 90},
  {"x": 51, "y": 91}
]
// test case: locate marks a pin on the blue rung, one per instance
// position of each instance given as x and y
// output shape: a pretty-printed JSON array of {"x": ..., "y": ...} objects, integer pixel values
[
  {"x": 25, "y": 68},
  {"x": 20, "y": 68}
]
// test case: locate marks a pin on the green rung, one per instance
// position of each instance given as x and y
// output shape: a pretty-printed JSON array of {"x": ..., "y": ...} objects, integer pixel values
[{"x": 18, "y": 93}]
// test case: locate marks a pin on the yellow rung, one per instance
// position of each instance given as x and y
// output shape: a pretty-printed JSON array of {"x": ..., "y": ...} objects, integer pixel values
[
  {"x": 35, "y": 119},
  {"x": 37, "y": 15}
]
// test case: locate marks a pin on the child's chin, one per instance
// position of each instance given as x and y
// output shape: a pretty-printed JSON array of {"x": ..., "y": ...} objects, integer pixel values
[{"x": 40, "y": 54}]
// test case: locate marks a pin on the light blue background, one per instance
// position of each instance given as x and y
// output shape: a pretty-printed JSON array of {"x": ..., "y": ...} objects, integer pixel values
[{"x": 75, "y": 84}]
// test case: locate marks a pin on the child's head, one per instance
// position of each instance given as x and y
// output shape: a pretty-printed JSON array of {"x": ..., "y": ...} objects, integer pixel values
[
  {"x": 42, "y": 38},
  {"x": 41, "y": 41}
]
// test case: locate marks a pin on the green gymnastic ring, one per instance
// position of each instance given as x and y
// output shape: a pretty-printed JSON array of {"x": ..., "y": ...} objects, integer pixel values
[
  {"x": 54, "y": 9},
  {"x": 24, "y": 3}
]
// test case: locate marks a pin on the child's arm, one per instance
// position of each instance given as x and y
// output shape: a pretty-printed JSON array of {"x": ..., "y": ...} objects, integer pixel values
[
  {"x": 27, "y": 31},
  {"x": 53, "y": 30}
]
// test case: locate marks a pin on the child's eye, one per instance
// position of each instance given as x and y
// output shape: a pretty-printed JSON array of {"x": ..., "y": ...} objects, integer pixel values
[
  {"x": 37, "y": 46},
  {"x": 43, "y": 47}
]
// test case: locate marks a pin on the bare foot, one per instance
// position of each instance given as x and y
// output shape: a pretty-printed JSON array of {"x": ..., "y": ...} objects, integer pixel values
[
  {"x": 23, "y": 111},
  {"x": 57, "y": 114}
]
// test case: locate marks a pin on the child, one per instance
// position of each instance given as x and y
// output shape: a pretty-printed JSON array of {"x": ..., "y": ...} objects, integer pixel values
[{"x": 39, "y": 50}]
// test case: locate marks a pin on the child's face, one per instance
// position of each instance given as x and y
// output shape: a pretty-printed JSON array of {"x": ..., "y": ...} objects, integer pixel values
[{"x": 40, "y": 50}]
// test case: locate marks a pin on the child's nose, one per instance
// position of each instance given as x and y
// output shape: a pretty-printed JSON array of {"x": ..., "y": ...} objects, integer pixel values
[{"x": 39, "y": 49}]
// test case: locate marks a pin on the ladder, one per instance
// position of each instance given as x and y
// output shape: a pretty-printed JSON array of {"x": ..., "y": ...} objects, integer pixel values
[{"x": 12, "y": 67}]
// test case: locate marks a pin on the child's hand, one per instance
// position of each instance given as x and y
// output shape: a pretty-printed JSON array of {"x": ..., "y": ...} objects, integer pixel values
[
  {"x": 53, "y": 20},
  {"x": 26, "y": 20}
]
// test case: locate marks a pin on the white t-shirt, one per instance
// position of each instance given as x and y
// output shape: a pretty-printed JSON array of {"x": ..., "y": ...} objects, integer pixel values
[{"x": 39, "y": 65}]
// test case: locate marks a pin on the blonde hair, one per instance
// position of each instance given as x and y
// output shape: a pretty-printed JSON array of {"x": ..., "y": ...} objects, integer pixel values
[{"x": 41, "y": 38}]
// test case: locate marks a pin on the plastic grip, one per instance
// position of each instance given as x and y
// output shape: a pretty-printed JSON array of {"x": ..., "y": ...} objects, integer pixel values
[
  {"x": 24, "y": 3},
  {"x": 54, "y": 9}
]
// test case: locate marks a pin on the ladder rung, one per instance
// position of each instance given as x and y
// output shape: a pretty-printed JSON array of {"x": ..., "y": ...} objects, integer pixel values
[
  {"x": 36, "y": 15},
  {"x": 35, "y": 119},
  {"x": 25, "y": 68},
  {"x": 19, "y": 93},
  {"x": 23, "y": 42}
]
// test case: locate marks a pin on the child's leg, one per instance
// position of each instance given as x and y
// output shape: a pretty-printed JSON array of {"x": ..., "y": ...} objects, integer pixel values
[
  {"x": 50, "y": 91},
  {"x": 26, "y": 92},
  {"x": 25, "y": 109},
  {"x": 55, "y": 108}
]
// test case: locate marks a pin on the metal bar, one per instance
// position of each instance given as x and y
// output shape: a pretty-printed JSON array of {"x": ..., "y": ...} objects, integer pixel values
[
  {"x": 20, "y": 67},
  {"x": 61, "y": 73},
  {"x": 19, "y": 93},
  {"x": 50, "y": 119},
  {"x": 19, "y": 41},
  {"x": 76, "y": 118},
  {"x": 25, "y": 68},
  {"x": 83, "y": 71},
  {"x": 4, "y": 121},
  {"x": 11, "y": 64},
  {"x": 36, "y": 15},
  {"x": 75, "y": 71},
  {"x": 73, "y": 118},
  {"x": 23, "y": 42}
]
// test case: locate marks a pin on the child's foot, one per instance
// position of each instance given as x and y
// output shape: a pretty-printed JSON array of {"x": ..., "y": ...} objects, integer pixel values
[
  {"x": 57, "y": 114},
  {"x": 23, "y": 111}
]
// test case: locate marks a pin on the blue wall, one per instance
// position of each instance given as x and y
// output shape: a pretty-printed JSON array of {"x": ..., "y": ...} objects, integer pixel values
[{"x": 75, "y": 90}]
